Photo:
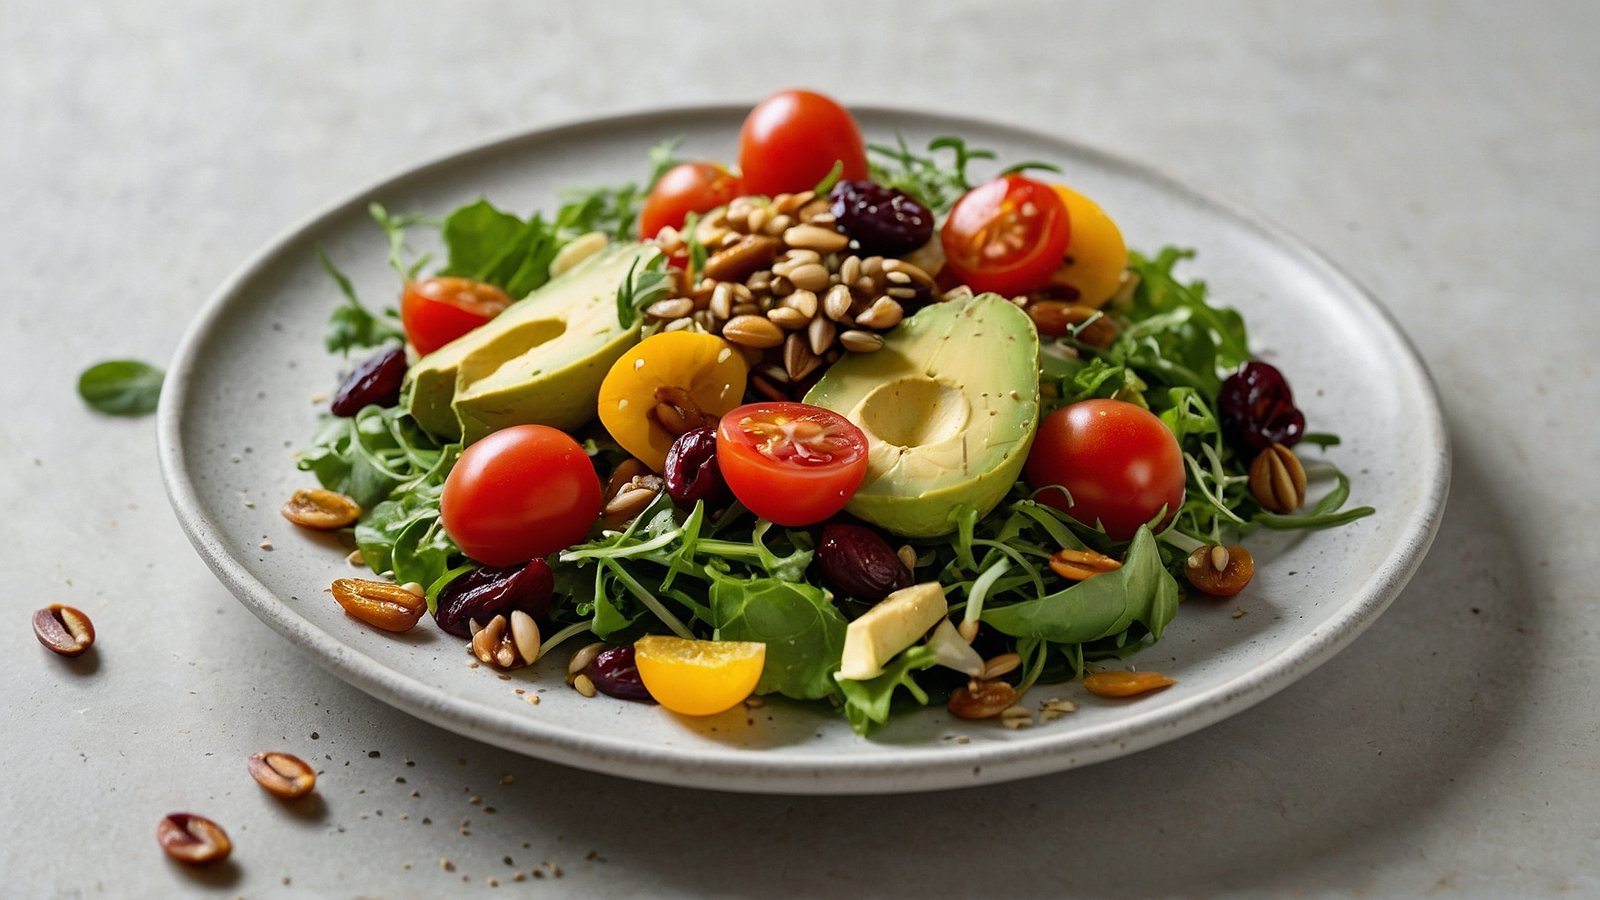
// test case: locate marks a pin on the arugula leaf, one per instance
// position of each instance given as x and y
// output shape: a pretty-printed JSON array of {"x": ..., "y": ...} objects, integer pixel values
[
  {"x": 395, "y": 228},
  {"x": 640, "y": 288},
  {"x": 121, "y": 387},
  {"x": 1141, "y": 591},
  {"x": 353, "y": 325},
  {"x": 866, "y": 703},
  {"x": 797, "y": 621},
  {"x": 612, "y": 209},
  {"x": 367, "y": 456}
]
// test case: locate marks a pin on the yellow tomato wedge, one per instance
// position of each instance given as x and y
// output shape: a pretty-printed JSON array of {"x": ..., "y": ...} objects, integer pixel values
[
  {"x": 1096, "y": 253},
  {"x": 698, "y": 678},
  {"x": 681, "y": 379}
]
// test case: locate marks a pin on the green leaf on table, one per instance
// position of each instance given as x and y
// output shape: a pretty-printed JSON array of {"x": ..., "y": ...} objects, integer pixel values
[{"x": 121, "y": 387}]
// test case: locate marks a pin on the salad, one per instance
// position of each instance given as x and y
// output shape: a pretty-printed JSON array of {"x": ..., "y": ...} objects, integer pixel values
[{"x": 848, "y": 424}]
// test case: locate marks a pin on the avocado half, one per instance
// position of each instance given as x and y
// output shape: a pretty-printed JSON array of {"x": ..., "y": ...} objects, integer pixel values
[
  {"x": 539, "y": 362},
  {"x": 949, "y": 406}
]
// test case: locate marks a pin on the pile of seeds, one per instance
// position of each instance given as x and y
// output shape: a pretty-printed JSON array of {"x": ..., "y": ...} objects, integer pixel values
[{"x": 781, "y": 283}]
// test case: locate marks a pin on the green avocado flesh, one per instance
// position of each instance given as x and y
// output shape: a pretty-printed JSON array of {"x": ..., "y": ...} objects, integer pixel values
[
  {"x": 539, "y": 362},
  {"x": 949, "y": 406}
]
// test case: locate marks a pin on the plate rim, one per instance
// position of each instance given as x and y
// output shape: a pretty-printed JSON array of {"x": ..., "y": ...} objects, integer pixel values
[{"x": 913, "y": 767}]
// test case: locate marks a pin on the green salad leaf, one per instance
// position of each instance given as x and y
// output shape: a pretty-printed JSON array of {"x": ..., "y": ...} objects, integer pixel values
[
  {"x": 121, "y": 387},
  {"x": 1142, "y": 592},
  {"x": 866, "y": 703},
  {"x": 803, "y": 630},
  {"x": 351, "y": 324}
]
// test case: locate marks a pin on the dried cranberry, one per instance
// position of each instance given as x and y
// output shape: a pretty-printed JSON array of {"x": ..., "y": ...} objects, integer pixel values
[
  {"x": 482, "y": 593},
  {"x": 881, "y": 220},
  {"x": 615, "y": 674},
  {"x": 691, "y": 471},
  {"x": 1257, "y": 409},
  {"x": 375, "y": 382},
  {"x": 859, "y": 563}
]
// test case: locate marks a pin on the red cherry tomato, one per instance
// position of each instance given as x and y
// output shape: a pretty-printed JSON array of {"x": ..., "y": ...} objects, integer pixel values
[
  {"x": 1118, "y": 461},
  {"x": 791, "y": 463},
  {"x": 1006, "y": 236},
  {"x": 693, "y": 187},
  {"x": 791, "y": 141},
  {"x": 521, "y": 493},
  {"x": 436, "y": 311}
]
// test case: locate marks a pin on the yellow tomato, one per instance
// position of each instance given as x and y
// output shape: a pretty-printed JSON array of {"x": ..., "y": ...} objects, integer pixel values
[
  {"x": 1096, "y": 254},
  {"x": 687, "y": 378},
  {"x": 698, "y": 678}
]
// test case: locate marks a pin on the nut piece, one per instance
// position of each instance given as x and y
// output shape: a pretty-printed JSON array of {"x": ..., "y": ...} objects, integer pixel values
[
  {"x": 982, "y": 699},
  {"x": 738, "y": 261},
  {"x": 379, "y": 603},
  {"x": 1117, "y": 683},
  {"x": 507, "y": 644},
  {"x": 193, "y": 840},
  {"x": 1277, "y": 480},
  {"x": 815, "y": 237},
  {"x": 1077, "y": 565},
  {"x": 1004, "y": 664},
  {"x": 63, "y": 630},
  {"x": 321, "y": 510},
  {"x": 1220, "y": 571},
  {"x": 582, "y": 658},
  {"x": 754, "y": 331},
  {"x": 1059, "y": 317},
  {"x": 860, "y": 341},
  {"x": 284, "y": 775},
  {"x": 1016, "y": 717}
]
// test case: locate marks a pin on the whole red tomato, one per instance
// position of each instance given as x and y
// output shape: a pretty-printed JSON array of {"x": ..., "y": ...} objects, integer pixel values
[
  {"x": 1006, "y": 236},
  {"x": 791, "y": 140},
  {"x": 521, "y": 493},
  {"x": 436, "y": 311},
  {"x": 692, "y": 187},
  {"x": 791, "y": 463},
  {"x": 1118, "y": 462}
]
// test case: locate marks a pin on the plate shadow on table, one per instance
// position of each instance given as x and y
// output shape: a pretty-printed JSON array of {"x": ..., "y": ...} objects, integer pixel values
[{"x": 1333, "y": 768}]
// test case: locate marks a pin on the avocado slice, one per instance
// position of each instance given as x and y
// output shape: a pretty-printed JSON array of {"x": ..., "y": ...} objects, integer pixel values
[
  {"x": 896, "y": 623},
  {"x": 949, "y": 406},
  {"x": 539, "y": 362}
]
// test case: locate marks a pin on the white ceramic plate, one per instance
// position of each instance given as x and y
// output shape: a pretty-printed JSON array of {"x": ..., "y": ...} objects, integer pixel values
[{"x": 238, "y": 404}]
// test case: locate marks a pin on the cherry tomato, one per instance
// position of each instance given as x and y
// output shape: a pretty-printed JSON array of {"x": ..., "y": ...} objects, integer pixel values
[
  {"x": 521, "y": 493},
  {"x": 1096, "y": 254},
  {"x": 436, "y": 311},
  {"x": 791, "y": 463},
  {"x": 1118, "y": 461},
  {"x": 692, "y": 187},
  {"x": 791, "y": 141},
  {"x": 1006, "y": 236},
  {"x": 691, "y": 378}
]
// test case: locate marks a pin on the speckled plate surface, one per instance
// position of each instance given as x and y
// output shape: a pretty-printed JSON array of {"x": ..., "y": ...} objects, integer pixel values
[{"x": 238, "y": 404}]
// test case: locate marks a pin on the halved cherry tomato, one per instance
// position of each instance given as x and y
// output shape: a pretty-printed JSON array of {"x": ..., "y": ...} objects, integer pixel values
[
  {"x": 688, "y": 377},
  {"x": 692, "y": 187},
  {"x": 791, "y": 140},
  {"x": 436, "y": 311},
  {"x": 1096, "y": 253},
  {"x": 521, "y": 493},
  {"x": 1006, "y": 236},
  {"x": 698, "y": 678},
  {"x": 1118, "y": 461},
  {"x": 791, "y": 463}
]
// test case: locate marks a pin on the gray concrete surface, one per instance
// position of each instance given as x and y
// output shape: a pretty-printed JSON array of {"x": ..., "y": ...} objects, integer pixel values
[{"x": 1443, "y": 153}]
